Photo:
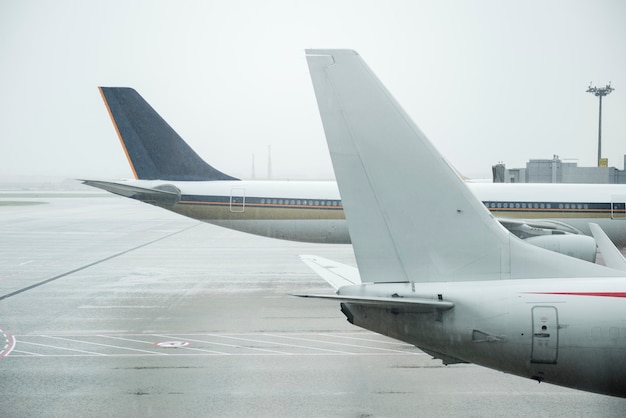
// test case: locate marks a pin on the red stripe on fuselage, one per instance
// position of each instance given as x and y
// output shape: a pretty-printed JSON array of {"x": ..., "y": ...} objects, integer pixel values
[{"x": 601, "y": 294}]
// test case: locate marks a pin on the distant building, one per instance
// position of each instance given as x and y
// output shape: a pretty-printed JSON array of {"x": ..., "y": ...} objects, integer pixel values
[{"x": 557, "y": 171}]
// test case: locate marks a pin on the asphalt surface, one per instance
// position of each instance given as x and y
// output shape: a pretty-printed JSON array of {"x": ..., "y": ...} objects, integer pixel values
[{"x": 110, "y": 307}]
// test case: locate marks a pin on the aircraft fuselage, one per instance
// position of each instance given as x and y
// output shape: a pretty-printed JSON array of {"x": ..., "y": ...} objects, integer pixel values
[
  {"x": 311, "y": 211},
  {"x": 530, "y": 328}
]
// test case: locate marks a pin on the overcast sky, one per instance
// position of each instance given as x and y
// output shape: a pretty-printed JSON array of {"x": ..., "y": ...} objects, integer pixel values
[{"x": 487, "y": 81}]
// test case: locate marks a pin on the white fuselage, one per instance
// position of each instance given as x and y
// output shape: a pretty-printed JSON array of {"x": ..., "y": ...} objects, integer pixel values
[
  {"x": 545, "y": 329},
  {"x": 311, "y": 211}
]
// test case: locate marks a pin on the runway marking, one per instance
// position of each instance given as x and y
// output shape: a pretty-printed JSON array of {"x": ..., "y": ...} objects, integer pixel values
[
  {"x": 235, "y": 346},
  {"x": 400, "y": 343},
  {"x": 28, "y": 352},
  {"x": 173, "y": 344},
  {"x": 67, "y": 273},
  {"x": 60, "y": 348},
  {"x": 7, "y": 343},
  {"x": 282, "y": 344},
  {"x": 125, "y": 339},
  {"x": 152, "y": 343},
  {"x": 101, "y": 345},
  {"x": 119, "y": 355},
  {"x": 249, "y": 344},
  {"x": 336, "y": 343},
  {"x": 122, "y": 307}
]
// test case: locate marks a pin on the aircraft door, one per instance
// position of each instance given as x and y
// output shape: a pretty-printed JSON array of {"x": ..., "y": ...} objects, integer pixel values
[
  {"x": 237, "y": 199},
  {"x": 618, "y": 207},
  {"x": 545, "y": 335}
]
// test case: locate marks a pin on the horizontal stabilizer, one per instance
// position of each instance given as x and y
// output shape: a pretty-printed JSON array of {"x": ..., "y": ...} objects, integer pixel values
[
  {"x": 165, "y": 195},
  {"x": 337, "y": 274},
  {"x": 408, "y": 305},
  {"x": 612, "y": 256}
]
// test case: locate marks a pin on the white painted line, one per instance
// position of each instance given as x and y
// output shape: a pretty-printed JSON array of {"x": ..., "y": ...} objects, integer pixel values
[
  {"x": 231, "y": 345},
  {"x": 26, "y": 352},
  {"x": 281, "y": 344},
  {"x": 165, "y": 336},
  {"x": 128, "y": 339},
  {"x": 400, "y": 343},
  {"x": 102, "y": 345},
  {"x": 365, "y": 347},
  {"x": 173, "y": 344},
  {"x": 187, "y": 354},
  {"x": 120, "y": 307},
  {"x": 61, "y": 348}
]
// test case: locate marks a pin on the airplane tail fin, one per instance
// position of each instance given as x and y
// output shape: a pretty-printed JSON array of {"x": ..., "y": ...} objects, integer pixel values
[
  {"x": 612, "y": 256},
  {"x": 154, "y": 150},
  {"x": 410, "y": 216}
]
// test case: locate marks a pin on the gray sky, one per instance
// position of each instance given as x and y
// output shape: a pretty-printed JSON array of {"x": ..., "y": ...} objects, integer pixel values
[{"x": 486, "y": 80}]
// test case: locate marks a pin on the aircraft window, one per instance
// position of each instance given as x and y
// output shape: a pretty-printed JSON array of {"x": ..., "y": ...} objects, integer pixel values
[
  {"x": 292, "y": 202},
  {"x": 317, "y": 203},
  {"x": 499, "y": 205},
  {"x": 560, "y": 205},
  {"x": 549, "y": 205},
  {"x": 524, "y": 205},
  {"x": 580, "y": 206},
  {"x": 506, "y": 205},
  {"x": 517, "y": 205},
  {"x": 567, "y": 206},
  {"x": 310, "y": 203},
  {"x": 262, "y": 201},
  {"x": 542, "y": 206},
  {"x": 493, "y": 205},
  {"x": 586, "y": 206},
  {"x": 274, "y": 201},
  {"x": 535, "y": 205},
  {"x": 280, "y": 201}
]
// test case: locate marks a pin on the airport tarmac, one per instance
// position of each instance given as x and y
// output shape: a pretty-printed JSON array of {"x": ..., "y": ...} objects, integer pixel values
[{"x": 110, "y": 307}]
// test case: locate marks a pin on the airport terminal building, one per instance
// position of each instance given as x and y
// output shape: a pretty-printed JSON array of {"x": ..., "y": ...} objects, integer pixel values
[{"x": 557, "y": 171}]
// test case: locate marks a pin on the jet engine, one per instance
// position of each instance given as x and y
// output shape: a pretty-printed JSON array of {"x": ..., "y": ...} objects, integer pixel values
[{"x": 579, "y": 246}]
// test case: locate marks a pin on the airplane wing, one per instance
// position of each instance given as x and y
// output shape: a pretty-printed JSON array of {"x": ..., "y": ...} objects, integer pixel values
[
  {"x": 164, "y": 195},
  {"x": 612, "y": 256},
  {"x": 335, "y": 273}
]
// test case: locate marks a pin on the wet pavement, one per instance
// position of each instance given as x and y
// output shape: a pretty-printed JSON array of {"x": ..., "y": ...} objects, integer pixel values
[{"x": 110, "y": 307}]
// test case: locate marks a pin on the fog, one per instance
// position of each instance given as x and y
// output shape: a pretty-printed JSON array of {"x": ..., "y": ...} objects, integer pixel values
[{"x": 487, "y": 81}]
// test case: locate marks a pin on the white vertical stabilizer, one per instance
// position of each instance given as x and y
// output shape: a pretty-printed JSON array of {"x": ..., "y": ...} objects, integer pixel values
[{"x": 410, "y": 216}]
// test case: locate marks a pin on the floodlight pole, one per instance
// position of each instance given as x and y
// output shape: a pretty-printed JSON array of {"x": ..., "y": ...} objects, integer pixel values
[{"x": 600, "y": 93}]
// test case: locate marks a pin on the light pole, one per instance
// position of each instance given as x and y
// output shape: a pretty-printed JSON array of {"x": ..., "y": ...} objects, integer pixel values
[{"x": 600, "y": 93}]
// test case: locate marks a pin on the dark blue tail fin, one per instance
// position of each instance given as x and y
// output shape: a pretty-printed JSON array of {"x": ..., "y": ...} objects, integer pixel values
[{"x": 154, "y": 150}]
